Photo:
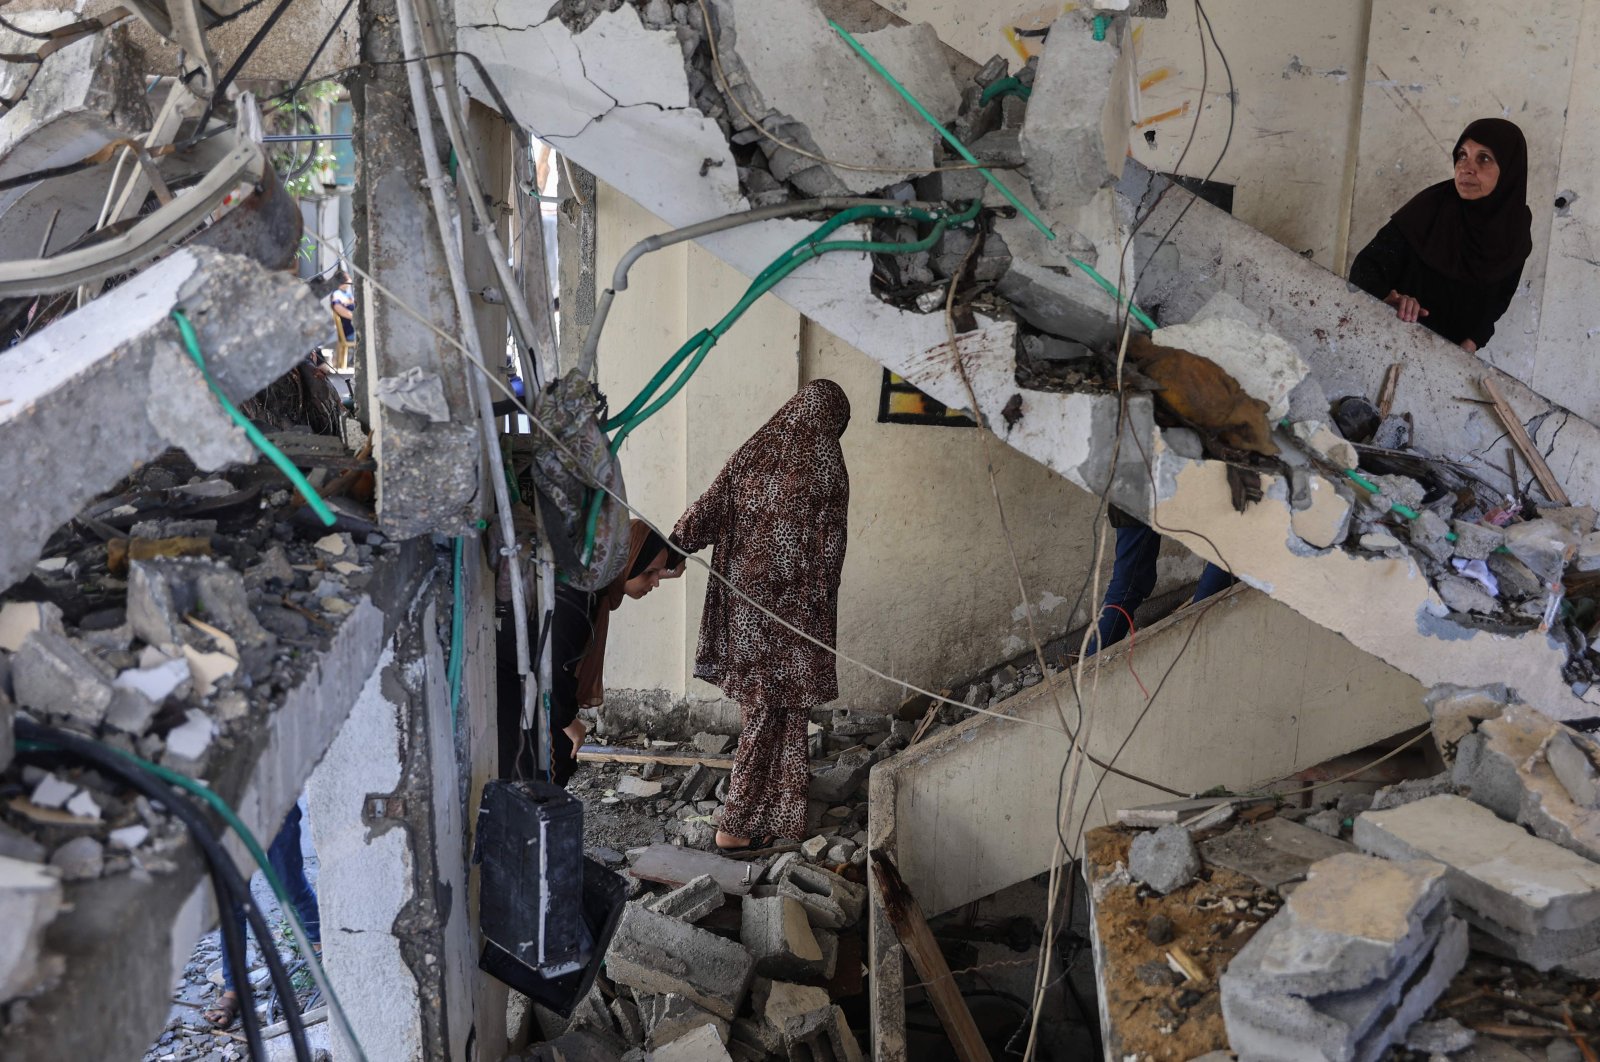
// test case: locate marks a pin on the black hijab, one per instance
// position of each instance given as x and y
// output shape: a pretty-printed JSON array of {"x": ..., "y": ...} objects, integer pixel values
[{"x": 1479, "y": 241}]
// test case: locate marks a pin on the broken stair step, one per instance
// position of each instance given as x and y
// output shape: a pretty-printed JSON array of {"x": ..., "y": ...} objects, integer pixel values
[
  {"x": 1182, "y": 811},
  {"x": 674, "y": 865},
  {"x": 1273, "y": 853},
  {"x": 1525, "y": 883}
]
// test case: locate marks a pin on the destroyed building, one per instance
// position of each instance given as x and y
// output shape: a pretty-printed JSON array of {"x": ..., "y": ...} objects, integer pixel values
[{"x": 1061, "y": 258}]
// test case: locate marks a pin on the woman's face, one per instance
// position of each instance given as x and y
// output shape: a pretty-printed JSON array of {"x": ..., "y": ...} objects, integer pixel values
[
  {"x": 1477, "y": 171},
  {"x": 648, "y": 579}
]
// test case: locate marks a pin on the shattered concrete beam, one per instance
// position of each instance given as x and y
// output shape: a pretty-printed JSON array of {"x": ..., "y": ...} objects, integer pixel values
[
  {"x": 429, "y": 450},
  {"x": 127, "y": 936},
  {"x": 110, "y": 386}
]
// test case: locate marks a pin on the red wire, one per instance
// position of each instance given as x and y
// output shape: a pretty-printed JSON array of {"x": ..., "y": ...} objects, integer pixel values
[{"x": 1133, "y": 640}]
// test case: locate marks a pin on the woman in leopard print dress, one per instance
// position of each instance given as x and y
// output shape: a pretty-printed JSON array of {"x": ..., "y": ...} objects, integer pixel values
[{"x": 776, "y": 514}]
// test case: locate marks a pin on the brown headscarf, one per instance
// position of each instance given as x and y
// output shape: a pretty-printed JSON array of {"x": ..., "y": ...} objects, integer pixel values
[
  {"x": 1480, "y": 241},
  {"x": 777, "y": 514},
  {"x": 591, "y": 669}
]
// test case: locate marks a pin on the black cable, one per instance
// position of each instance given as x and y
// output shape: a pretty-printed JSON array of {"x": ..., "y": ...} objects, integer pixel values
[
  {"x": 19, "y": 31},
  {"x": 1233, "y": 110},
  {"x": 219, "y": 91},
  {"x": 225, "y": 876}
]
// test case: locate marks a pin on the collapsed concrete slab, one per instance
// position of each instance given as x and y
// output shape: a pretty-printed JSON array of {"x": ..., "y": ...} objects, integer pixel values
[
  {"x": 1503, "y": 766},
  {"x": 1357, "y": 955},
  {"x": 87, "y": 394},
  {"x": 1538, "y": 900}
]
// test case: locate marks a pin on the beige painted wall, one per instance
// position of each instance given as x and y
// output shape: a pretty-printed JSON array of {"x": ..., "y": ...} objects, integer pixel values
[
  {"x": 1347, "y": 109},
  {"x": 929, "y": 594}
]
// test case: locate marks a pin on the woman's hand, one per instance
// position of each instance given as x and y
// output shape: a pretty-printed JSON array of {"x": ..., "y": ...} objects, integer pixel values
[
  {"x": 1469, "y": 346},
  {"x": 1408, "y": 308}
]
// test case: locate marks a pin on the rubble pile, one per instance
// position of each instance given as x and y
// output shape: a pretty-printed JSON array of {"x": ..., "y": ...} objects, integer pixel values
[
  {"x": 1383, "y": 895},
  {"x": 167, "y": 621},
  {"x": 750, "y": 957}
]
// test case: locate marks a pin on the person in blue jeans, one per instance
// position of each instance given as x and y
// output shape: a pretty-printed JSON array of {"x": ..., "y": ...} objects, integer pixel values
[
  {"x": 1133, "y": 576},
  {"x": 288, "y": 863}
]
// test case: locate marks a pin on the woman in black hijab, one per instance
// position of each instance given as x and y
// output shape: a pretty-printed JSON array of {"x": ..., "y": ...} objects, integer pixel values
[{"x": 1451, "y": 258}]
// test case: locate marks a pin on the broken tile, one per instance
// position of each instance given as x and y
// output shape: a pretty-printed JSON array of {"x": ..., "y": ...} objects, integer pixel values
[
  {"x": 18, "y": 619},
  {"x": 1573, "y": 767},
  {"x": 207, "y": 669},
  {"x": 157, "y": 683},
  {"x": 52, "y": 792},
  {"x": 189, "y": 743}
]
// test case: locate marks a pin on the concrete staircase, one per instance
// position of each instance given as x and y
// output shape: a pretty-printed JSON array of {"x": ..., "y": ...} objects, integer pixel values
[{"x": 616, "y": 98}]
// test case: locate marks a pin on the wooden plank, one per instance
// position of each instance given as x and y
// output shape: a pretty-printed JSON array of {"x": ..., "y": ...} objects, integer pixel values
[
  {"x": 1391, "y": 381},
  {"x": 617, "y": 754},
  {"x": 1519, "y": 438},
  {"x": 671, "y": 864},
  {"x": 918, "y": 940}
]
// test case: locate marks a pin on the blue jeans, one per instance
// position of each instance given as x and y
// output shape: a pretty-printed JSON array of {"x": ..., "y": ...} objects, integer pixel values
[
  {"x": 1133, "y": 576},
  {"x": 288, "y": 863}
]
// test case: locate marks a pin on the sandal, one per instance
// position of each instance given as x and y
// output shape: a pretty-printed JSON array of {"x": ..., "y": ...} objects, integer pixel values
[
  {"x": 754, "y": 844},
  {"x": 225, "y": 1014}
]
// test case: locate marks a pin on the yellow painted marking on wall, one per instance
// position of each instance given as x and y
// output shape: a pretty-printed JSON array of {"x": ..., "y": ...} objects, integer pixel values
[
  {"x": 1016, "y": 43},
  {"x": 1165, "y": 116},
  {"x": 1155, "y": 77}
]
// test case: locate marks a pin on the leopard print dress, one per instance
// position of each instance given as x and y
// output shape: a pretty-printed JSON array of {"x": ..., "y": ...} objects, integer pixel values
[{"x": 776, "y": 515}]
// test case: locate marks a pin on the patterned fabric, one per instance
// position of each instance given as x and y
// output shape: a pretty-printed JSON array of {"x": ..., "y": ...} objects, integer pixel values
[{"x": 776, "y": 514}]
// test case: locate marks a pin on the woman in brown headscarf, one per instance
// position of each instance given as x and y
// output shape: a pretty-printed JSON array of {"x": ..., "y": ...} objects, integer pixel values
[
  {"x": 1452, "y": 257},
  {"x": 776, "y": 514},
  {"x": 578, "y": 633}
]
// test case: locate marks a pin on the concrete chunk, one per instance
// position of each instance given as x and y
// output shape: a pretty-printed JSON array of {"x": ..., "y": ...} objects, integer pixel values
[
  {"x": 253, "y": 326},
  {"x": 1075, "y": 132},
  {"x": 831, "y": 902},
  {"x": 1355, "y": 922},
  {"x": 654, "y": 953},
  {"x": 1354, "y": 1026},
  {"x": 775, "y": 1004},
  {"x": 669, "y": 1017},
  {"x": 821, "y": 1034},
  {"x": 1503, "y": 767},
  {"x": 758, "y": 41},
  {"x": 18, "y": 619},
  {"x": 704, "y": 1044},
  {"x": 1273, "y": 853},
  {"x": 30, "y": 896},
  {"x": 690, "y": 902},
  {"x": 49, "y": 674},
  {"x": 1165, "y": 860},
  {"x": 1495, "y": 869},
  {"x": 1573, "y": 768},
  {"x": 774, "y": 929}
]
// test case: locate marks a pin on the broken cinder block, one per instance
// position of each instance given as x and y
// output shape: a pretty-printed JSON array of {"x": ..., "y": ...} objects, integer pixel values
[
  {"x": 831, "y": 901},
  {"x": 690, "y": 902},
  {"x": 654, "y": 953},
  {"x": 775, "y": 930},
  {"x": 50, "y": 674}
]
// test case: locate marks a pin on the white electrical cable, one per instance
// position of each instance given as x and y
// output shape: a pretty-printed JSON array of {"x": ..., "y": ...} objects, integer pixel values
[{"x": 449, "y": 239}]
